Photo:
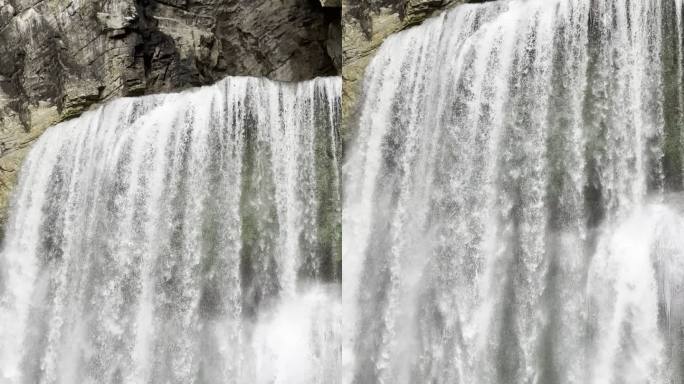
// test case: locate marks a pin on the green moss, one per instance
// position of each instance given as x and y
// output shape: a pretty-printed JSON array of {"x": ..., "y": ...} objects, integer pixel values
[
  {"x": 259, "y": 220},
  {"x": 672, "y": 103},
  {"x": 327, "y": 149}
]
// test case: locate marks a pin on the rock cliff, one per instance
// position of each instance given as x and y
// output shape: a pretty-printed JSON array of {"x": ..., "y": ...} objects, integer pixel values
[{"x": 58, "y": 57}]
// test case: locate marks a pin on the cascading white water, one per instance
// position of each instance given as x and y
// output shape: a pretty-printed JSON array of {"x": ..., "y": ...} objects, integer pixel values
[
  {"x": 179, "y": 238},
  {"x": 508, "y": 213}
]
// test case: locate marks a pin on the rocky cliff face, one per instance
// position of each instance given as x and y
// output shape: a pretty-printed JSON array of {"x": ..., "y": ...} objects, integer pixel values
[
  {"x": 58, "y": 57},
  {"x": 366, "y": 24}
]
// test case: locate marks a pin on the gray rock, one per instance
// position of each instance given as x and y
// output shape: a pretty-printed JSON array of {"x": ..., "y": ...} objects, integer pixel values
[{"x": 331, "y": 3}]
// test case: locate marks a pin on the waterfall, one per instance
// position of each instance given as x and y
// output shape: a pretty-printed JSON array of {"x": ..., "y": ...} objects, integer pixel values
[
  {"x": 179, "y": 238},
  {"x": 512, "y": 203}
]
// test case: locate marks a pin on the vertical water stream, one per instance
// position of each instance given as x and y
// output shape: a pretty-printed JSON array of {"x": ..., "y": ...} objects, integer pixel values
[
  {"x": 179, "y": 238},
  {"x": 513, "y": 198}
]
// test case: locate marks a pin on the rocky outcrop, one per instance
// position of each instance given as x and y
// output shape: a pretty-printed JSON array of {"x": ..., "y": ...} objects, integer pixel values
[
  {"x": 58, "y": 57},
  {"x": 366, "y": 24}
]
